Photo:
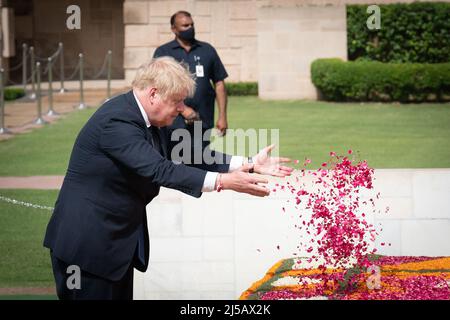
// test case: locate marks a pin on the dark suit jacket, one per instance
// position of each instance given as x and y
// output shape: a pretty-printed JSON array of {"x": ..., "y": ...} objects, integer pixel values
[{"x": 114, "y": 172}]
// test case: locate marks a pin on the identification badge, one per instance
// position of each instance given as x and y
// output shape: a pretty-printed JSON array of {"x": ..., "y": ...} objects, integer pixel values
[{"x": 199, "y": 70}]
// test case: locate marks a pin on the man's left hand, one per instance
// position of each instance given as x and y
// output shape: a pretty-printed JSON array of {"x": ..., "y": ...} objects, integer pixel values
[{"x": 265, "y": 164}]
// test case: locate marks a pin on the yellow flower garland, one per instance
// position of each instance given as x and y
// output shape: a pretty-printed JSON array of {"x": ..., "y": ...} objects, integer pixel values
[{"x": 434, "y": 267}]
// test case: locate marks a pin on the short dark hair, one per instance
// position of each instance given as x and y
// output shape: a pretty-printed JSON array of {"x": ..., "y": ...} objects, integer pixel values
[{"x": 181, "y": 12}]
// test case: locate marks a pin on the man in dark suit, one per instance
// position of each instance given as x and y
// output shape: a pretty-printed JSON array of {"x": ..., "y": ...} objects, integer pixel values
[{"x": 119, "y": 161}]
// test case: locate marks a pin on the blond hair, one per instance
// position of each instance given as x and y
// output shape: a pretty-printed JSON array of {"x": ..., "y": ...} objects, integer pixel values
[{"x": 170, "y": 77}]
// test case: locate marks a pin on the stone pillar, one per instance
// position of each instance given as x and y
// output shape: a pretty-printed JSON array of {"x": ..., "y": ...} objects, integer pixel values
[
  {"x": 6, "y": 38},
  {"x": 289, "y": 40}
]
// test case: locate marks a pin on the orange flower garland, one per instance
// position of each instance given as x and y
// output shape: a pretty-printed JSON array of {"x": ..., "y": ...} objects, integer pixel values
[{"x": 400, "y": 278}]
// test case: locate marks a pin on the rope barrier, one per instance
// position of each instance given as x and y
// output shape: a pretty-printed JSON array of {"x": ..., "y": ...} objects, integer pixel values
[
  {"x": 24, "y": 59},
  {"x": 61, "y": 68},
  {"x": 24, "y": 63},
  {"x": 108, "y": 83},
  {"x": 46, "y": 69},
  {"x": 82, "y": 105},
  {"x": 16, "y": 67},
  {"x": 37, "y": 73},
  {"x": 53, "y": 56},
  {"x": 25, "y": 204},
  {"x": 50, "y": 112},
  {"x": 74, "y": 73},
  {"x": 56, "y": 54},
  {"x": 105, "y": 62},
  {"x": 56, "y": 73},
  {"x": 33, "y": 74},
  {"x": 30, "y": 52},
  {"x": 28, "y": 80},
  {"x": 13, "y": 83}
]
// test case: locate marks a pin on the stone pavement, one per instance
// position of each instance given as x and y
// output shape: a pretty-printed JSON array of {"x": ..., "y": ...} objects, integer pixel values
[
  {"x": 28, "y": 291},
  {"x": 35, "y": 182}
]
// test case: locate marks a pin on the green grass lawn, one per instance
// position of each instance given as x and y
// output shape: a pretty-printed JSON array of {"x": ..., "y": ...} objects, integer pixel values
[
  {"x": 44, "y": 151},
  {"x": 24, "y": 262},
  {"x": 387, "y": 135}
]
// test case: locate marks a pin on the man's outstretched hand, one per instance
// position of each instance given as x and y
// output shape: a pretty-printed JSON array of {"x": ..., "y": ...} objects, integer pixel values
[
  {"x": 265, "y": 164},
  {"x": 243, "y": 182}
]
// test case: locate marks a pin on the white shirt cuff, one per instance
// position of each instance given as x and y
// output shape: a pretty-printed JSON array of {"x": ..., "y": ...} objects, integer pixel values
[
  {"x": 210, "y": 181},
  {"x": 235, "y": 163}
]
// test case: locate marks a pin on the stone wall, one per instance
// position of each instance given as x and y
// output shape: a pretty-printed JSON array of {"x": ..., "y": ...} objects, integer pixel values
[
  {"x": 230, "y": 26},
  {"x": 269, "y": 41},
  {"x": 42, "y": 24},
  {"x": 289, "y": 40}
]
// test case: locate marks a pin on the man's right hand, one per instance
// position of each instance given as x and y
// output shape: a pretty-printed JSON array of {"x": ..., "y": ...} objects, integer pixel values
[
  {"x": 190, "y": 115},
  {"x": 241, "y": 181}
]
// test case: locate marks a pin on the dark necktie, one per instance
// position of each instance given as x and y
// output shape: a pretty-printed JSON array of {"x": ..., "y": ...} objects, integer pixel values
[{"x": 154, "y": 131}]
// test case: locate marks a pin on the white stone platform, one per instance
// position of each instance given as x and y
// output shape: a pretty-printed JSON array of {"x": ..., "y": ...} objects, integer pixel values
[{"x": 216, "y": 246}]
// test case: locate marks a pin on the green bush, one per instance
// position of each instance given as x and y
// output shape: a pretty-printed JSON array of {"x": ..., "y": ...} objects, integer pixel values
[
  {"x": 415, "y": 32},
  {"x": 242, "y": 88},
  {"x": 13, "y": 93},
  {"x": 376, "y": 81}
]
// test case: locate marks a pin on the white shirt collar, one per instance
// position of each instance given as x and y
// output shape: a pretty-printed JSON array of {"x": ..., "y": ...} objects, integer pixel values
[{"x": 141, "y": 108}]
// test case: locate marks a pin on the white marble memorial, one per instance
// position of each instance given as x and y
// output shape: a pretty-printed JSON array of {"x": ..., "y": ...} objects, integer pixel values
[{"x": 215, "y": 247}]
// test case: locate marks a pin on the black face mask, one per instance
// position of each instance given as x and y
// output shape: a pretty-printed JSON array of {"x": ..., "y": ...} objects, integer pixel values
[{"x": 187, "y": 35}]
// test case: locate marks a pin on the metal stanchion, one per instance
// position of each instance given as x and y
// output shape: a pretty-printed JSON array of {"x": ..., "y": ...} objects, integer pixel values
[
  {"x": 39, "y": 119},
  {"x": 108, "y": 90},
  {"x": 50, "y": 112},
  {"x": 81, "y": 105},
  {"x": 24, "y": 66},
  {"x": 3, "y": 129},
  {"x": 61, "y": 68},
  {"x": 33, "y": 74}
]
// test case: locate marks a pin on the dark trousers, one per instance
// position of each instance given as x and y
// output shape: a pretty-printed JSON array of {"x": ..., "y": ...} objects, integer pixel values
[{"x": 92, "y": 287}]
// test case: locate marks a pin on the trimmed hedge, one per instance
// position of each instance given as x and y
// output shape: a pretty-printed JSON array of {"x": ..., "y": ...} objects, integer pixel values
[
  {"x": 242, "y": 88},
  {"x": 338, "y": 80},
  {"x": 414, "y": 32},
  {"x": 13, "y": 93}
]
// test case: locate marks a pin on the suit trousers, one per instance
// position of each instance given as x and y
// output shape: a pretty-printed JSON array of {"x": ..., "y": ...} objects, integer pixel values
[{"x": 91, "y": 287}]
